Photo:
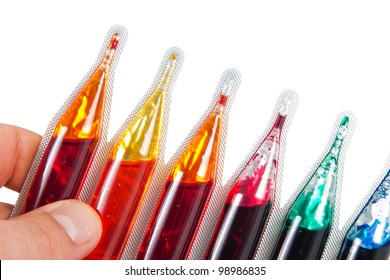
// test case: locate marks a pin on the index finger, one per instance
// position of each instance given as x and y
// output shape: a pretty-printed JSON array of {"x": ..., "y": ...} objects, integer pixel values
[{"x": 17, "y": 150}]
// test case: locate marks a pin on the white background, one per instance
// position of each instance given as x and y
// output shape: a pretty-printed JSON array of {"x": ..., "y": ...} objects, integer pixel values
[
  {"x": 334, "y": 54},
  {"x": 321, "y": 270}
]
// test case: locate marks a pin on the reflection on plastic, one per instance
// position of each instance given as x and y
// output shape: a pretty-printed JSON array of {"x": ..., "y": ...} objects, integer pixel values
[
  {"x": 369, "y": 236},
  {"x": 186, "y": 192},
  {"x": 249, "y": 201},
  {"x": 127, "y": 175},
  {"x": 74, "y": 141},
  {"x": 309, "y": 221}
]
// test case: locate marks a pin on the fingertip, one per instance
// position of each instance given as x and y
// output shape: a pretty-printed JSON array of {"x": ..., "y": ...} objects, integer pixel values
[
  {"x": 66, "y": 229},
  {"x": 5, "y": 210},
  {"x": 79, "y": 220},
  {"x": 18, "y": 147}
]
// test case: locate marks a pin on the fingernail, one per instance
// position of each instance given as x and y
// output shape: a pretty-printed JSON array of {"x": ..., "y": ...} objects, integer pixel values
[{"x": 79, "y": 221}]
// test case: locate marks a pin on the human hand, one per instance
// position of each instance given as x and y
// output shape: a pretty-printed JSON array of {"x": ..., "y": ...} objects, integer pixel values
[{"x": 61, "y": 230}]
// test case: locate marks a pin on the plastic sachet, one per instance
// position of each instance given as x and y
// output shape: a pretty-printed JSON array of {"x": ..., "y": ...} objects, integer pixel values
[
  {"x": 300, "y": 229},
  {"x": 74, "y": 134},
  {"x": 134, "y": 154},
  {"x": 252, "y": 190},
  {"x": 186, "y": 184},
  {"x": 366, "y": 234}
]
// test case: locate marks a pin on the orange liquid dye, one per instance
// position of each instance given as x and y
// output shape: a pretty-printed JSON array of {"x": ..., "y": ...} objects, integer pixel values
[
  {"x": 59, "y": 175},
  {"x": 117, "y": 199},
  {"x": 65, "y": 162},
  {"x": 187, "y": 190}
]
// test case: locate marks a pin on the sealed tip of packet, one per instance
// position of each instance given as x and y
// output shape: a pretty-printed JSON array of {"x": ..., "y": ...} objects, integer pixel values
[
  {"x": 251, "y": 196},
  {"x": 74, "y": 134},
  {"x": 194, "y": 170},
  {"x": 367, "y": 232},
  {"x": 132, "y": 162}
]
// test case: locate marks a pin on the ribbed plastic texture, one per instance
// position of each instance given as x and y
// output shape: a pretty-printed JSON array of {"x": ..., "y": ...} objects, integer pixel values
[
  {"x": 220, "y": 192},
  {"x": 159, "y": 178},
  {"x": 122, "y": 32},
  {"x": 105, "y": 150},
  {"x": 337, "y": 236},
  {"x": 277, "y": 217}
]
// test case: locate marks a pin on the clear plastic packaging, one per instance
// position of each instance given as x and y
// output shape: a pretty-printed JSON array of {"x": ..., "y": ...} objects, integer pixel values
[
  {"x": 368, "y": 235},
  {"x": 76, "y": 131},
  {"x": 313, "y": 209},
  {"x": 131, "y": 165},
  {"x": 196, "y": 166},
  {"x": 251, "y": 196}
]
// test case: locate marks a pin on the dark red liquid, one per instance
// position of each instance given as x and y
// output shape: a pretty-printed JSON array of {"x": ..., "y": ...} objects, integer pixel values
[
  {"x": 238, "y": 232},
  {"x": 305, "y": 244},
  {"x": 174, "y": 223},
  {"x": 61, "y": 171},
  {"x": 117, "y": 200}
]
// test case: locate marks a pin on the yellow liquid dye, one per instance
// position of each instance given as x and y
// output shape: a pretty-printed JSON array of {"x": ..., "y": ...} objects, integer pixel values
[
  {"x": 141, "y": 140},
  {"x": 127, "y": 175}
]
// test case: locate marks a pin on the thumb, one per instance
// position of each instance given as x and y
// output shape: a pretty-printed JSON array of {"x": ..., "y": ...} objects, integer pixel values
[{"x": 66, "y": 229}]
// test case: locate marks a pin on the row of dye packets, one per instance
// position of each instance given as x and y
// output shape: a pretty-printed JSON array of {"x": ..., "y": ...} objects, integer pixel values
[{"x": 125, "y": 178}]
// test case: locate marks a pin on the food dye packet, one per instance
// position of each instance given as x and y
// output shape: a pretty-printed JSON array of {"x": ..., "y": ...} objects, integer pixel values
[
  {"x": 300, "y": 229},
  {"x": 366, "y": 234},
  {"x": 135, "y": 154},
  {"x": 72, "y": 139},
  {"x": 174, "y": 204},
  {"x": 250, "y": 193}
]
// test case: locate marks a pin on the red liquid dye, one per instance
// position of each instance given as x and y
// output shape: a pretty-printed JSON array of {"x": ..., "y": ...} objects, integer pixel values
[
  {"x": 117, "y": 199},
  {"x": 238, "y": 232},
  {"x": 61, "y": 171},
  {"x": 223, "y": 99},
  {"x": 248, "y": 204},
  {"x": 175, "y": 221}
]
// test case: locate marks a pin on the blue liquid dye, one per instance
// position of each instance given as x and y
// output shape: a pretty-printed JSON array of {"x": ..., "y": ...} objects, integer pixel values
[
  {"x": 371, "y": 229},
  {"x": 372, "y": 236}
]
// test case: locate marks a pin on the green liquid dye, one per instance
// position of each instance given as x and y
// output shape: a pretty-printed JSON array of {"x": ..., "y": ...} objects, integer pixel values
[{"x": 315, "y": 203}]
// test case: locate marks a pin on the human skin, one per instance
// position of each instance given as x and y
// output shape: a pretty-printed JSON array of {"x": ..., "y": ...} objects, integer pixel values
[{"x": 61, "y": 230}]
